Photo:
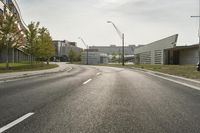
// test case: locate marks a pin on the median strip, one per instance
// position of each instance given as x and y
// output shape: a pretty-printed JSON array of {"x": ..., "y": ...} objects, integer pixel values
[
  {"x": 12, "y": 124},
  {"x": 87, "y": 81}
]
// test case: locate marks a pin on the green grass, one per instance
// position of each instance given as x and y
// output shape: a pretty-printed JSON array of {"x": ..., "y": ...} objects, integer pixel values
[
  {"x": 76, "y": 63},
  {"x": 17, "y": 67},
  {"x": 187, "y": 71}
]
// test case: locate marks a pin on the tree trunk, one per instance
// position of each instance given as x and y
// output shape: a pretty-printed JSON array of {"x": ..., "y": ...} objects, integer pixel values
[
  {"x": 31, "y": 59},
  {"x": 48, "y": 61},
  {"x": 13, "y": 55},
  {"x": 7, "y": 57}
]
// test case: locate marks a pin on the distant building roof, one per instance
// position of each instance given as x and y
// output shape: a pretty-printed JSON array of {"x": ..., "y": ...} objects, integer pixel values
[{"x": 185, "y": 47}]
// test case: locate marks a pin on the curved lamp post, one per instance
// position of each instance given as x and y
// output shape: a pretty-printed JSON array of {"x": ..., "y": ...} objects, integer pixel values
[
  {"x": 87, "y": 47},
  {"x": 121, "y": 35}
]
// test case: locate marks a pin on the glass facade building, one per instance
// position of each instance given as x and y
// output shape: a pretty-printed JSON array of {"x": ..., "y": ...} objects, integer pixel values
[{"x": 16, "y": 54}]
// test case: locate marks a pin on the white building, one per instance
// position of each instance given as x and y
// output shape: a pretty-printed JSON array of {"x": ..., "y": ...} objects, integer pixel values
[
  {"x": 165, "y": 51},
  {"x": 156, "y": 52},
  {"x": 15, "y": 54},
  {"x": 109, "y": 50},
  {"x": 64, "y": 47},
  {"x": 183, "y": 55},
  {"x": 94, "y": 58}
]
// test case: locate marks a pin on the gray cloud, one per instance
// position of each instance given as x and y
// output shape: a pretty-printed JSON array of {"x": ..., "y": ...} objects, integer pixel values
[{"x": 143, "y": 21}]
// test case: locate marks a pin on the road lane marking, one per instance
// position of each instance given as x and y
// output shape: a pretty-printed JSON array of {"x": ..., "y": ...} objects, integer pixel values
[
  {"x": 12, "y": 124},
  {"x": 98, "y": 74},
  {"x": 69, "y": 69},
  {"x": 178, "y": 82},
  {"x": 87, "y": 81}
]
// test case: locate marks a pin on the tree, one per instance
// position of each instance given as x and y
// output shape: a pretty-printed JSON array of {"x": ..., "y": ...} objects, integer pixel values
[
  {"x": 114, "y": 57},
  {"x": 31, "y": 38},
  {"x": 10, "y": 35},
  {"x": 78, "y": 57},
  {"x": 72, "y": 55},
  {"x": 120, "y": 57},
  {"x": 44, "y": 48}
]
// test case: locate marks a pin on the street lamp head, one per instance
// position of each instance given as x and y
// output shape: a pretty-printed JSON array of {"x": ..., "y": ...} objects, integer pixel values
[{"x": 109, "y": 21}]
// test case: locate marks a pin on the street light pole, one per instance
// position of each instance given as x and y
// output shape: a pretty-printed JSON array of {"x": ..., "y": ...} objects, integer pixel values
[
  {"x": 198, "y": 65},
  {"x": 121, "y": 35},
  {"x": 87, "y": 47}
]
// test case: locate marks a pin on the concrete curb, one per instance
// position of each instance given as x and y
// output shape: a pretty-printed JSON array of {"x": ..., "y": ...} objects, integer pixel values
[
  {"x": 33, "y": 74},
  {"x": 169, "y": 75},
  {"x": 196, "y": 82}
]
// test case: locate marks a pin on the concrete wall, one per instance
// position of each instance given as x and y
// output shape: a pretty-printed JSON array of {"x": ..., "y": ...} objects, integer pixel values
[
  {"x": 153, "y": 53},
  {"x": 188, "y": 56},
  {"x": 15, "y": 56}
]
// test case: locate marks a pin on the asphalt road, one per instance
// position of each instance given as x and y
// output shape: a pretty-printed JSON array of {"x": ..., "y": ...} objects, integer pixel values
[{"x": 99, "y": 100}]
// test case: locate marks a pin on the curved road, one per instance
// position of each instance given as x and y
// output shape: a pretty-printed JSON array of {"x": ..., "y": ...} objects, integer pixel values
[{"x": 92, "y": 99}]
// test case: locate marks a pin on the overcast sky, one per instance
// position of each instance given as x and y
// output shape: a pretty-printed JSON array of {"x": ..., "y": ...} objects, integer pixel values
[{"x": 142, "y": 21}]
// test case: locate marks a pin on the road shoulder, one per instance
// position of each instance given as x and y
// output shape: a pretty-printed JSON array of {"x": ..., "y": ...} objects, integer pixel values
[{"x": 195, "y": 84}]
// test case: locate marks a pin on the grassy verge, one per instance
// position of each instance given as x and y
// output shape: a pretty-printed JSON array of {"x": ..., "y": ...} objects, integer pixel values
[
  {"x": 187, "y": 71},
  {"x": 18, "y": 67},
  {"x": 76, "y": 63}
]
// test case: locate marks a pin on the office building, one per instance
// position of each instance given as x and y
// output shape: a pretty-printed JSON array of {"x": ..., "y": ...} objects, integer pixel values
[
  {"x": 94, "y": 57},
  {"x": 15, "y": 54},
  {"x": 165, "y": 51},
  {"x": 63, "y": 49},
  {"x": 113, "y": 49}
]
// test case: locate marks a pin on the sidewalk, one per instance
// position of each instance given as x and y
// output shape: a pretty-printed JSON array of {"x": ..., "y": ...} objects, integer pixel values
[
  {"x": 180, "y": 80},
  {"x": 62, "y": 66}
]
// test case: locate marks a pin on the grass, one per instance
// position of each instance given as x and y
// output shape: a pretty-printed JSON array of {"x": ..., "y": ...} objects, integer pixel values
[
  {"x": 187, "y": 71},
  {"x": 18, "y": 67},
  {"x": 76, "y": 63}
]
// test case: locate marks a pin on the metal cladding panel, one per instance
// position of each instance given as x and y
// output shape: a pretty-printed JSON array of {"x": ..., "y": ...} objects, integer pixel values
[
  {"x": 166, "y": 43},
  {"x": 1, "y": 5},
  {"x": 24, "y": 26}
]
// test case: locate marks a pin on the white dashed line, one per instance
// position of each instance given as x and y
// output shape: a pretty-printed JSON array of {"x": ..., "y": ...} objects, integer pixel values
[
  {"x": 8, "y": 126},
  {"x": 87, "y": 81},
  {"x": 98, "y": 74},
  {"x": 69, "y": 69}
]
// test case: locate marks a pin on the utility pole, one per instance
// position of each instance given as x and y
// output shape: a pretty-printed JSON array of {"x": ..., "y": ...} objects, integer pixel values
[
  {"x": 123, "y": 49},
  {"x": 87, "y": 48},
  {"x": 198, "y": 65},
  {"x": 121, "y": 35}
]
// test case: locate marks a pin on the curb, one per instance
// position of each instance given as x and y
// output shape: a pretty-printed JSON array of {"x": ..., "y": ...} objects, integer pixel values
[
  {"x": 168, "y": 75},
  {"x": 33, "y": 75}
]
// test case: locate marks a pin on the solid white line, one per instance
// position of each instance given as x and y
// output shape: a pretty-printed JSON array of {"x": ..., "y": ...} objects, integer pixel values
[
  {"x": 187, "y": 85},
  {"x": 15, "y": 122},
  {"x": 87, "y": 81}
]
